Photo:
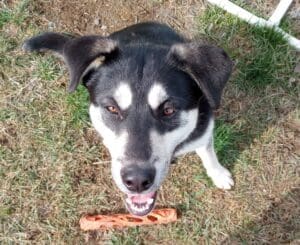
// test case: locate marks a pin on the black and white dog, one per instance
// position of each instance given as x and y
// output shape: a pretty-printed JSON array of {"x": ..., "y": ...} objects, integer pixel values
[{"x": 152, "y": 96}]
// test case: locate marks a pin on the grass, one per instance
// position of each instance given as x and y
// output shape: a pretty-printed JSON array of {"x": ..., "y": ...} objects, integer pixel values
[
  {"x": 53, "y": 167},
  {"x": 16, "y": 15},
  {"x": 226, "y": 136},
  {"x": 262, "y": 55},
  {"x": 78, "y": 104},
  {"x": 47, "y": 69}
]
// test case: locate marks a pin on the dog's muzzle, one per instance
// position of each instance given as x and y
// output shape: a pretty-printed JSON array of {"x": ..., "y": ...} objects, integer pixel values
[
  {"x": 140, "y": 204},
  {"x": 139, "y": 179}
]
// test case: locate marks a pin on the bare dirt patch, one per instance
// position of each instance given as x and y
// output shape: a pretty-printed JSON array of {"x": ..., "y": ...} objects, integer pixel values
[{"x": 104, "y": 17}]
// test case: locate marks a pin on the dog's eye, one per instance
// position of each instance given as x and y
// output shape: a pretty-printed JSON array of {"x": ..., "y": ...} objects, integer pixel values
[
  {"x": 169, "y": 111},
  {"x": 168, "y": 108},
  {"x": 112, "y": 109}
]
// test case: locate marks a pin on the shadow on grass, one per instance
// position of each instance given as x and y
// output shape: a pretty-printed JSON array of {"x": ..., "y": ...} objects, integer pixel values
[
  {"x": 280, "y": 223},
  {"x": 263, "y": 88}
]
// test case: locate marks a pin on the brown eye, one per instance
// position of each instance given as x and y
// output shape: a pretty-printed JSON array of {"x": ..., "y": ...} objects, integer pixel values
[
  {"x": 112, "y": 109},
  {"x": 168, "y": 111}
]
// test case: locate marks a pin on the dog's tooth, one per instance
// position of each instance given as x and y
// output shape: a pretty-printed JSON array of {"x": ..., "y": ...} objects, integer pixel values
[
  {"x": 150, "y": 201},
  {"x": 136, "y": 207},
  {"x": 142, "y": 208}
]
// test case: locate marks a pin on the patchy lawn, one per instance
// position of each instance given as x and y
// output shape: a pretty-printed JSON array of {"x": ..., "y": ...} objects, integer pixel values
[{"x": 53, "y": 167}]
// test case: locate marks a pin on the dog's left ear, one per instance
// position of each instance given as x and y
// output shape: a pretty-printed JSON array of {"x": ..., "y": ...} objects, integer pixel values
[
  {"x": 81, "y": 54},
  {"x": 209, "y": 66}
]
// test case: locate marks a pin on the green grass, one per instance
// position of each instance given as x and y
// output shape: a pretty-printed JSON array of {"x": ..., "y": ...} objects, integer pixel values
[
  {"x": 16, "y": 15},
  {"x": 262, "y": 55},
  {"x": 226, "y": 138},
  {"x": 78, "y": 105},
  {"x": 270, "y": 61},
  {"x": 53, "y": 170},
  {"x": 5, "y": 16},
  {"x": 47, "y": 69}
]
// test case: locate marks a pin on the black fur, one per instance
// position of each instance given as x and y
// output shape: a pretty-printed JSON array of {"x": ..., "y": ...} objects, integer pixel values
[
  {"x": 208, "y": 66},
  {"x": 47, "y": 41},
  {"x": 147, "y": 33},
  {"x": 193, "y": 75},
  {"x": 78, "y": 53}
]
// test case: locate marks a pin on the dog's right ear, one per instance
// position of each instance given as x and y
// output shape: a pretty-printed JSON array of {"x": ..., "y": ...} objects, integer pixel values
[{"x": 81, "y": 54}]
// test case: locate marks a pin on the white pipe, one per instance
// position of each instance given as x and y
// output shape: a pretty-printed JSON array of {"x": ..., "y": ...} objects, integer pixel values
[
  {"x": 280, "y": 11},
  {"x": 238, "y": 11},
  {"x": 254, "y": 20}
]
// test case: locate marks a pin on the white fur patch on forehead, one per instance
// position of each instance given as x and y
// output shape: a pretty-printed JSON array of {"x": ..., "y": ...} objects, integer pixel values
[
  {"x": 123, "y": 96},
  {"x": 157, "y": 94}
]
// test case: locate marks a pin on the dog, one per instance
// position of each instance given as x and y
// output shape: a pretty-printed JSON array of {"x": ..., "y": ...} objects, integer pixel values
[{"x": 152, "y": 96}]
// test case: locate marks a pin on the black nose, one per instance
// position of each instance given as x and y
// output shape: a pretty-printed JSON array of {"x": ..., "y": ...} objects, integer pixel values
[{"x": 138, "y": 179}]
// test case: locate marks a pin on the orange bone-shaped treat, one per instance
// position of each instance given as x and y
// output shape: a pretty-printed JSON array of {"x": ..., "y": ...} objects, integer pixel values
[{"x": 104, "y": 222}]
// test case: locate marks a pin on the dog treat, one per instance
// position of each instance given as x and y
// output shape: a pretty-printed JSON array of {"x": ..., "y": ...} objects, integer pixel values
[{"x": 104, "y": 222}]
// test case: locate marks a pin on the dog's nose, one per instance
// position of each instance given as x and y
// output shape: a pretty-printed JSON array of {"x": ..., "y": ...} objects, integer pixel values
[{"x": 138, "y": 179}]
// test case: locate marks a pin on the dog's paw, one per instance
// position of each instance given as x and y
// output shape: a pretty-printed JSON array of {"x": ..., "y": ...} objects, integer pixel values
[{"x": 221, "y": 177}]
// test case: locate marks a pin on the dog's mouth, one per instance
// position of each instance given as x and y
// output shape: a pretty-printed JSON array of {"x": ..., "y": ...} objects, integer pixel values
[{"x": 140, "y": 204}]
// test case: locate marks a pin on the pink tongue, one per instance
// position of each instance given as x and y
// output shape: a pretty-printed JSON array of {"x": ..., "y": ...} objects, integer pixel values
[{"x": 141, "y": 198}]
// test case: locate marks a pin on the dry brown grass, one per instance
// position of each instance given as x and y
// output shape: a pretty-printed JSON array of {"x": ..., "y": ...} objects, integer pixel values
[
  {"x": 104, "y": 17},
  {"x": 54, "y": 168}
]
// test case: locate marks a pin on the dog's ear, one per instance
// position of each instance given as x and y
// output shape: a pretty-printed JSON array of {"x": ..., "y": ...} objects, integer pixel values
[
  {"x": 209, "y": 66},
  {"x": 81, "y": 54}
]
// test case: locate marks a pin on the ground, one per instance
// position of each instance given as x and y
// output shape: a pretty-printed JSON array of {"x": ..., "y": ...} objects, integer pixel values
[{"x": 54, "y": 168}]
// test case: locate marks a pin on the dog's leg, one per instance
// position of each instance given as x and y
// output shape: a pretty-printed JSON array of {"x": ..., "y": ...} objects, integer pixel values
[{"x": 219, "y": 175}]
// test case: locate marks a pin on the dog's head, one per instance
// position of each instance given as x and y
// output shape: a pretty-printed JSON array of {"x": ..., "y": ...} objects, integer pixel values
[{"x": 145, "y": 101}]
